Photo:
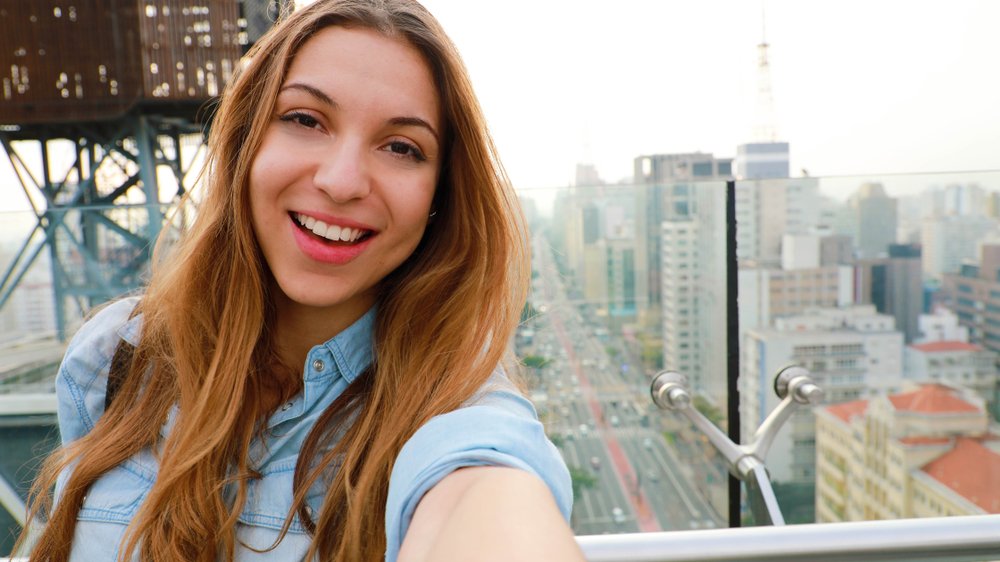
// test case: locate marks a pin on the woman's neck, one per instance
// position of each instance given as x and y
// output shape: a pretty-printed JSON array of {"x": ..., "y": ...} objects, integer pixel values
[{"x": 299, "y": 327}]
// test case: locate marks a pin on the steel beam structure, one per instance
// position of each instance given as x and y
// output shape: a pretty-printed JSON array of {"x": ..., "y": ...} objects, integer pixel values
[{"x": 100, "y": 193}]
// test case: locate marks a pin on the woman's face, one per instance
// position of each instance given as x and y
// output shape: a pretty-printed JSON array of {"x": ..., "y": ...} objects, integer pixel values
[{"x": 341, "y": 188}]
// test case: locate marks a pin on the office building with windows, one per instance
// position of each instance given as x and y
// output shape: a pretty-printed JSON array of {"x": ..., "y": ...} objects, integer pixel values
[
  {"x": 665, "y": 190},
  {"x": 767, "y": 210},
  {"x": 956, "y": 363},
  {"x": 847, "y": 350},
  {"x": 894, "y": 284},
  {"x": 974, "y": 295},
  {"x": 949, "y": 242},
  {"x": 874, "y": 219}
]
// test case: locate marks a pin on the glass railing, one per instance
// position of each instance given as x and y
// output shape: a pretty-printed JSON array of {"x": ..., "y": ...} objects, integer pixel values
[{"x": 887, "y": 295}]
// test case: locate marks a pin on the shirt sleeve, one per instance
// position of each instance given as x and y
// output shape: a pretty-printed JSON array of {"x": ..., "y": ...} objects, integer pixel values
[
  {"x": 83, "y": 375},
  {"x": 500, "y": 428}
]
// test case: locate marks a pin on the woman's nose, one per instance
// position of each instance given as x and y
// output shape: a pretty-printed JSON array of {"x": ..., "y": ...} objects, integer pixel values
[{"x": 343, "y": 172}]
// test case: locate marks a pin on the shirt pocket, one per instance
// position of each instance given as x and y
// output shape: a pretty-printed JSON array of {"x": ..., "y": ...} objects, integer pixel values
[
  {"x": 116, "y": 496},
  {"x": 269, "y": 499}
]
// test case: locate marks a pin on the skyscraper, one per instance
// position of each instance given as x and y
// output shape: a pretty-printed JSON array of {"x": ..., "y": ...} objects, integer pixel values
[
  {"x": 875, "y": 220},
  {"x": 665, "y": 190},
  {"x": 894, "y": 285}
]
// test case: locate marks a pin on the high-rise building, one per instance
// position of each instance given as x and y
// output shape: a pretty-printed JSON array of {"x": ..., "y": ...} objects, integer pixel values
[
  {"x": 694, "y": 294},
  {"x": 681, "y": 313},
  {"x": 956, "y": 200},
  {"x": 894, "y": 285},
  {"x": 603, "y": 252},
  {"x": 955, "y": 363},
  {"x": 665, "y": 189},
  {"x": 767, "y": 210},
  {"x": 941, "y": 325},
  {"x": 950, "y": 241},
  {"x": 762, "y": 160},
  {"x": 875, "y": 220},
  {"x": 926, "y": 452},
  {"x": 847, "y": 350},
  {"x": 769, "y": 293},
  {"x": 974, "y": 295}
]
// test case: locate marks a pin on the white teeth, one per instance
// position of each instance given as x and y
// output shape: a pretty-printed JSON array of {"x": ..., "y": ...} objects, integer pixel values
[{"x": 330, "y": 232}]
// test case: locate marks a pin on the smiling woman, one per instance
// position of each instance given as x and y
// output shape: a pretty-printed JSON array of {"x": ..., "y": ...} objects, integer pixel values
[
  {"x": 353, "y": 147},
  {"x": 314, "y": 371}
]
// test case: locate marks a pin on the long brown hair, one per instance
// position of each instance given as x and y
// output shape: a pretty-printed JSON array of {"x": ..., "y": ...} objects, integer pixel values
[{"x": 207, "y": 310}]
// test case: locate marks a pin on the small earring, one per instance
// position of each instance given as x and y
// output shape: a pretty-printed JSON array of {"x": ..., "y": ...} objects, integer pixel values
[{"x": 430, "y": 216}]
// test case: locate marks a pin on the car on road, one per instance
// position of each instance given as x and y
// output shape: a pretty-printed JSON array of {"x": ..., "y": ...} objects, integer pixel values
[
  {"x": 647, "y": 442},
  {"x": 615, "y": 421},
  {"x": 595, "y": 462},
  {"x": 617, "y": 515},
  {"x": 584, "y": 430}
]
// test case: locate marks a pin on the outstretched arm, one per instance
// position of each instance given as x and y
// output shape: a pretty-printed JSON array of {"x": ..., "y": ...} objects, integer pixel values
[{"x": 488, "y": 513}]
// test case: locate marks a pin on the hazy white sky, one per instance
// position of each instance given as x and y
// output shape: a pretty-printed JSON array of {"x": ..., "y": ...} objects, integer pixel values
[{"x": 860, "y": 86}]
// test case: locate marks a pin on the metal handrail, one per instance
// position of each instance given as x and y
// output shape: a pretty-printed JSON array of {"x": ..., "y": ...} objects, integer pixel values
[{"x": 939, "y": 539}]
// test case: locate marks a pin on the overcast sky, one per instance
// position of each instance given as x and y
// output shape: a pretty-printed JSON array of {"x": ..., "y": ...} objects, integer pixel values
[{"x": 859, "y": 86}]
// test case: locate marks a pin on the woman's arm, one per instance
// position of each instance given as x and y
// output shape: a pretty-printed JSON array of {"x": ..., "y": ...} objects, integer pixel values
[{"x": 488, "y": 513}]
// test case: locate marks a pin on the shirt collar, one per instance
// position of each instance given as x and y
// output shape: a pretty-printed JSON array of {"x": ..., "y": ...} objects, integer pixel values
[
  {"x": 132, "y": 329},
  {"x": 352, "y": 349}
]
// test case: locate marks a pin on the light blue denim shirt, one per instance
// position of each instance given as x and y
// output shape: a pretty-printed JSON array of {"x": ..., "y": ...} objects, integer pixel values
[{"x": 497, "y": 427}]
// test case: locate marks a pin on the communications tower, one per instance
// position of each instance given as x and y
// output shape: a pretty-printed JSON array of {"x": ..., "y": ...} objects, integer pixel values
[{"x": 765, "y": 156}]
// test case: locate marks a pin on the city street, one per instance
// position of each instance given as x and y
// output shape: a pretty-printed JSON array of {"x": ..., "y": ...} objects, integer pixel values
[{"x": 599, "y": 412}]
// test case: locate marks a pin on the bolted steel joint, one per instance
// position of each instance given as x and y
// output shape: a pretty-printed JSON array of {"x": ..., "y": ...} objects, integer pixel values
[
  {"x": 669, "y": 391},
  {"x": 795, "y": 381}
]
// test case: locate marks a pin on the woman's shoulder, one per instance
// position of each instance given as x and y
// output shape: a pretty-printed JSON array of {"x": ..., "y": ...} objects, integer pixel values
[
  {"x": 498, "y": 426},
  {"x": 82, "y": 379}
]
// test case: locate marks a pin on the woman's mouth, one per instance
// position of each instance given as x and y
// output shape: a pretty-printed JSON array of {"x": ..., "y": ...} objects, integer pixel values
[{"x": 330, "y": 233}]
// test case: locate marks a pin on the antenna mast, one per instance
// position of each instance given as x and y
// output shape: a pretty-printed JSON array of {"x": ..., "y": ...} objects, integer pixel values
[{"x": 764, "y": 128}]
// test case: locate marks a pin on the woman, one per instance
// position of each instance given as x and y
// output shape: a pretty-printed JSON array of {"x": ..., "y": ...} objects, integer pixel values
[{"x": 313, "y": 370}]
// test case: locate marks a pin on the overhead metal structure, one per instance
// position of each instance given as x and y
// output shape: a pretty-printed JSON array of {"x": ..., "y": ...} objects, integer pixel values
[{"x": 103, "y": 105}]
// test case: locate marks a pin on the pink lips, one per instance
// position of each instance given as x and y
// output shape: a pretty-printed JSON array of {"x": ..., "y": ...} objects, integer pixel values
[{"x": 328, "y": 253}]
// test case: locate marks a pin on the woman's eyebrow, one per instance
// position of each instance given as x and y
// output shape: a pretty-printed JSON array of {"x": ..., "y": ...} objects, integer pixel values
[
  {"x": 311, "y": 90},
  {"x": 415, "y": 122}
]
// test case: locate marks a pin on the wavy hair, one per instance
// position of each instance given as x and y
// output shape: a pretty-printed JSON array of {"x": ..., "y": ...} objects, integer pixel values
[{"x": 207, "y": 310}]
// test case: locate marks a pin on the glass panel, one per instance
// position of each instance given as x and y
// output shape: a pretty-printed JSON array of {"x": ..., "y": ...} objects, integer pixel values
[
  {"x": 624, "y": 285},
  {"x": 885, "y": 289}
]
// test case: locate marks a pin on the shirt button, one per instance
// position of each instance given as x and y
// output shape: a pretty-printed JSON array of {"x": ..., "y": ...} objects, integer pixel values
[
  {"x": 286, "y": 406},
  {"x": 318, "y": 365}
]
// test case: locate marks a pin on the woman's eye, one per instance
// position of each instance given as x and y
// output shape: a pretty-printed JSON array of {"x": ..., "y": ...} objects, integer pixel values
[
  {"x": 303, "y": 119},
  {"x": 406, "y": 149}
]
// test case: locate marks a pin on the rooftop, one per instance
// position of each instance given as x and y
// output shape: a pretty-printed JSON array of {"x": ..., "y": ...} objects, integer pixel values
[
  {"x": 945, "y": 346},
  {"x": 848, "y": 410},
  {"x": 933, "y": 399},
  {"x": 980, "y": 486}
]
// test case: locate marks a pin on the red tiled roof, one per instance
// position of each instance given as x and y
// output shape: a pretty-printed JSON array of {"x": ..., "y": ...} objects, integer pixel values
[
  {"x": 972, "y": 471},
  {"x": 923, "y": 440},
  {"x": 943, "y": 346},
  {"x": 932, "y": 399},
  {"x": 848, "y": 410}
]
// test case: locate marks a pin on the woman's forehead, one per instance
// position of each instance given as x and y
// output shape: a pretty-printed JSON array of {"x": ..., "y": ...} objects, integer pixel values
[{"x": 358, "y": 63}]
